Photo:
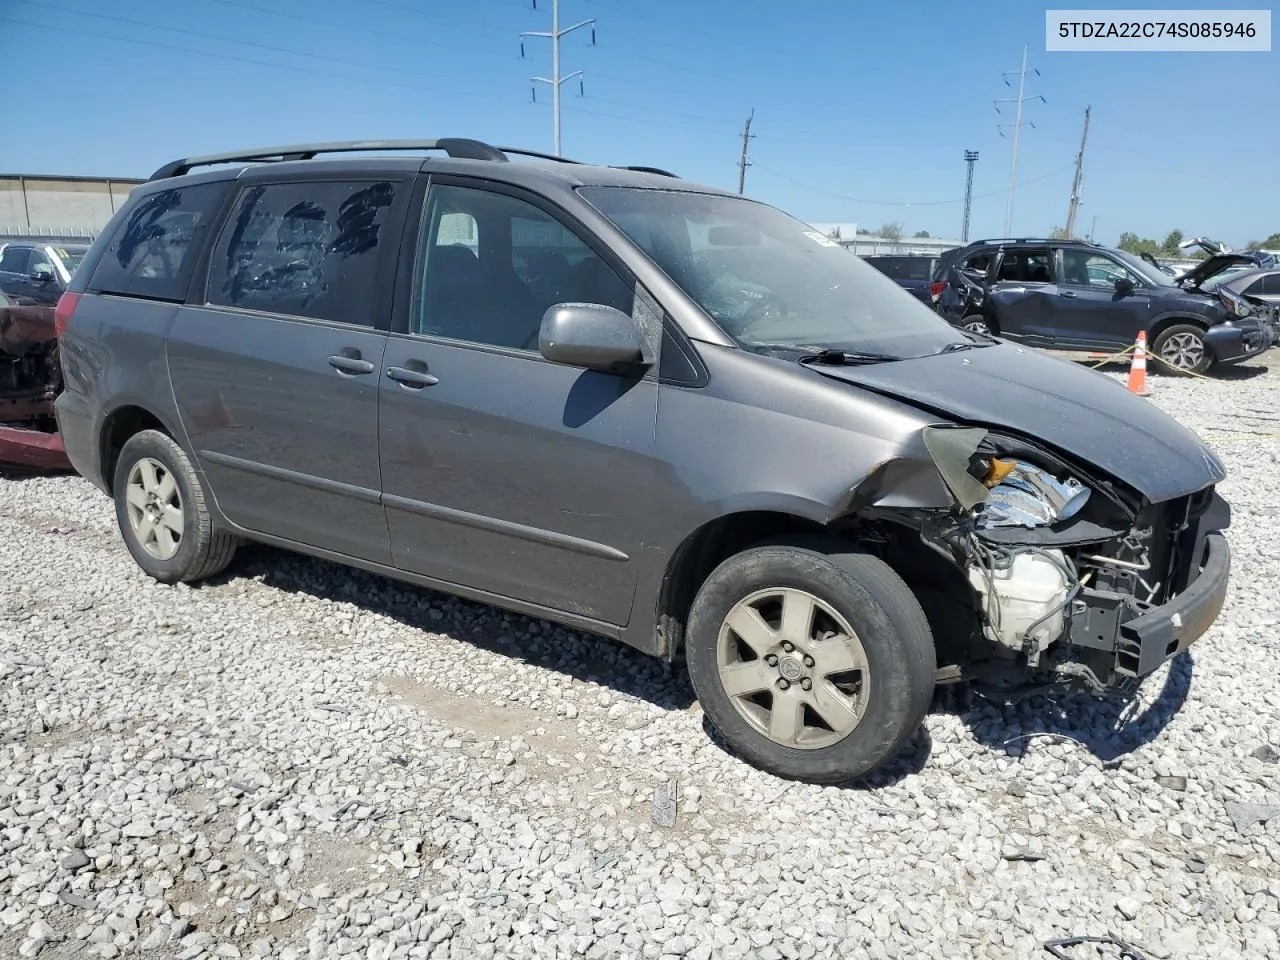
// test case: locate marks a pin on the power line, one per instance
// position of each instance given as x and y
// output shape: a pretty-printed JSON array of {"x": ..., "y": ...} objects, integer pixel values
[
  {"x": 905, "y": 203},
  {"x": 555, "y": 80},
  {"x": 255, "y": 45},
  {"x": 234, "y": 59}
]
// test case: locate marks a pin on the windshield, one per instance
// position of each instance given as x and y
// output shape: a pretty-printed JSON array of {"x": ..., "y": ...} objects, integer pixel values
[
  {"x": 71, "y": 256},
  {"x": 1143, "y": 269},
  {"x": 768, "y": 280}
]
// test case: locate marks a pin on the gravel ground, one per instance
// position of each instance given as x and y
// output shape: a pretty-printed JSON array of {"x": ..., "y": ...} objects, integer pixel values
[{"x": 299, "y": 760}]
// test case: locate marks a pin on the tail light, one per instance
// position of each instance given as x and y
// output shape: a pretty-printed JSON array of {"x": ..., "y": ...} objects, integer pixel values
[
  {"x": 63, "y": 311},
  {"x": 936, "y": 288}
]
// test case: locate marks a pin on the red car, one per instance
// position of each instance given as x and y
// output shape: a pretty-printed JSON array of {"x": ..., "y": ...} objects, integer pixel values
[{"x": 30, "y": 380}]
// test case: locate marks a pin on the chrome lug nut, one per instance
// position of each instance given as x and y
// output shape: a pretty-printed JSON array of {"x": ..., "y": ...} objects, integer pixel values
[
  {"x": 806, "y": 684},
  {"x": 808, "y": 660},
  {"x": 788, "y": 647},
  {"x": 784, "y": 683},
  {"x": 771, "y": 659}
]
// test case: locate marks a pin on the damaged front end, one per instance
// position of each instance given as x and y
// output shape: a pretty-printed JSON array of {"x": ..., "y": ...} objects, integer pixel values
[
  {"x": 1076, "y": 581},
  {"x": 30, "y": 381}
]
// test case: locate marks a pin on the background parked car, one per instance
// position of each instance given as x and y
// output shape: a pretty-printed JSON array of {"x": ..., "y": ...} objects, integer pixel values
[
  {"x": 911, "y": 272},
  {"x": 38, "y": 272},
  {"x": 1074, "y": 295},
  {"x": 1261, "y": 288}
]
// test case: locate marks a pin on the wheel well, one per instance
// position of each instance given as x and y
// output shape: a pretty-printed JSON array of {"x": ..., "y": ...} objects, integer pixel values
[
  {"x": 119, "y": 427},
  {"x": 701, "y": 552},
  {"x": 1160, "y": 326},
  {"x": 940, "y": 586}
]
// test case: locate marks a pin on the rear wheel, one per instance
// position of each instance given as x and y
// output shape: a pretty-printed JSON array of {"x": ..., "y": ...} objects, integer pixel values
[
  {"x": 1181, "y": 349},
  {"x": 813, "y": 659},
  {"x": 161, "y": 511},
  {"x": 980, "y": 324}
]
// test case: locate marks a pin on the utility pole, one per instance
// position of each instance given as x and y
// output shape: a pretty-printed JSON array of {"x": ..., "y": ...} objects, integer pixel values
[
  {"x": 1017, "y": 128},
  {"x": 1075, "y": 186},
  {"x": 1093, "y": 227},
  {"x": 743, "y": 162},
  {"x": 555, "y": 80},
  {"x": 970, "y": 158}
]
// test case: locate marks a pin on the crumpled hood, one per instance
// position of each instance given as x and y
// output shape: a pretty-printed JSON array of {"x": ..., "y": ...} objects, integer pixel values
[{"x": 1086, "y": 415}]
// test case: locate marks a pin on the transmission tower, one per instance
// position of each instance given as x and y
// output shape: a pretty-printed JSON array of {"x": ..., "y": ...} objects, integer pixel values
[
  {"x": 743, "y": 162},
  {"x": 1021, "y": 74},
  {"x": 970, "y": 158},
  {"x": 555, "y": 80}
]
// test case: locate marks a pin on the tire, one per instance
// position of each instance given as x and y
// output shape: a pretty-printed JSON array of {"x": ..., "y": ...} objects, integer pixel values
[
  {"x": 1177, "y": 346},
  {"x": 976, "y": 321},
  {"x": 153, "y": 476},
  {"x": 886, "y": 675}
]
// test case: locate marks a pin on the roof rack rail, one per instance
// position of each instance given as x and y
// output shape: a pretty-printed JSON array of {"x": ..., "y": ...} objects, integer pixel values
[
  {"x": 1035, "y": 240},
  {"x": 453, "y": 146},
  {"x": 658, "y": 170},
  {"x": 457, "y": 147}
]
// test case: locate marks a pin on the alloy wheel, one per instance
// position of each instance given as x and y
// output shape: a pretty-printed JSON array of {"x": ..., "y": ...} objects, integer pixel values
[
  {"x": 1183, "y": 350},
  {"x": 155, "y": 508},
  {"x": 793, "y": 668},
  {"x": 978, "y": 326}
]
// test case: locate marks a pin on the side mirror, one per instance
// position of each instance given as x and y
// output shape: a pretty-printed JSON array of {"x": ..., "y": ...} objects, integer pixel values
[
  {"x": 591, "y": 335},
  {"x": 1124, "y": 286},
  {"x": 43, "y": 273}
]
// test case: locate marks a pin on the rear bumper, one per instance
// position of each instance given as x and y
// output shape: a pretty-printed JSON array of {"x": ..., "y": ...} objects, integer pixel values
[
  {"x": 1238, "y": 340},
  {"x": 76, "y": 426},
  {"x": 32, "y": 449},
  {"x": 1147, "y": 642}
]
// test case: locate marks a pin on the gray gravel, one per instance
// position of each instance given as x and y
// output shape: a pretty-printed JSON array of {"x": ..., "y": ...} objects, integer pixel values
[{"x": 302, "y": 761}]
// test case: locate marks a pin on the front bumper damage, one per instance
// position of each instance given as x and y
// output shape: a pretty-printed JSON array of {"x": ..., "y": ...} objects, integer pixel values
[
  {"x": 30, "y": 380},
  {"x": 1239, "y": 340},
  {"x": 1136, "y": 642}
]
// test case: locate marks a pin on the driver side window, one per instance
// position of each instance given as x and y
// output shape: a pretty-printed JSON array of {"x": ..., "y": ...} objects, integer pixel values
[
  {"x": 1083, "y": 269},
  {"x": 489, "y": 266}
]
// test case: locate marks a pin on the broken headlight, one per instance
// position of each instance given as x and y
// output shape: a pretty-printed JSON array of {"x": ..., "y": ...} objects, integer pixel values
[
  {"x": 1001, "y": 491},
  {"x": 1234, "y": 302},
  {"x": 1024, "y": 495}
]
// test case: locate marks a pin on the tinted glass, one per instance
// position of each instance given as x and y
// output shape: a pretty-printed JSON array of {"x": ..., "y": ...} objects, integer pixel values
[
  {"x": 1026, "y": 266},
  {"x": 15, "y": 259},
  {"x": 1084, "y": 269},
  {"x": 149, "y": 254},
  {"x": 308, "y": 249},
  {"x": 1271, "y": 284},
  {"x": 768, "y": 280},
  {"x": 490, "y": 265}
]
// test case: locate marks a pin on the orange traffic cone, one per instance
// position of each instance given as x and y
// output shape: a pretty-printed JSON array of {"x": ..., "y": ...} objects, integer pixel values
[{"x": 1138, "y": 367}]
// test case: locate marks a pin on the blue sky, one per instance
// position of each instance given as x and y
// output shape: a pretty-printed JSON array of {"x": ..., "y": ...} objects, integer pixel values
[{"x": 860, "y": 108}]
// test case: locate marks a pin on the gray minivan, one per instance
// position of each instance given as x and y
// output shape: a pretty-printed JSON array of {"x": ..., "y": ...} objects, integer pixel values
[{"x": 646, "y": 409}]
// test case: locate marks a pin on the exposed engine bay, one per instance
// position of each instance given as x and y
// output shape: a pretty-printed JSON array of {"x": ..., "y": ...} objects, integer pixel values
[
  {"x": 1072, "y": 579},
  {"x": 30, "y": 380}
]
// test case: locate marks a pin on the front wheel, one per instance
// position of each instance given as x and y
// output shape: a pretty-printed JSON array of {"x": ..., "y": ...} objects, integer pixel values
[
  {"x": 1181, "y": 349},
  {"x": 813, "y": 659}
]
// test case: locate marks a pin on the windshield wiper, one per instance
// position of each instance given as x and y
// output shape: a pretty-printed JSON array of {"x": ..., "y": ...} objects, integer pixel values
[
  {"x": 842, "y": 357},
  {"x": 956, "y": 347}
]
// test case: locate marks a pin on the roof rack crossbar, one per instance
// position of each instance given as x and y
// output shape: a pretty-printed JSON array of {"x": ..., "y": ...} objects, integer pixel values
[{"x": 453, "y": 146}]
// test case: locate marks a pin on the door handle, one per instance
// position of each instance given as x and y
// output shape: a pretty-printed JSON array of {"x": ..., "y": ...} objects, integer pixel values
[
  {"x": 1070, "y": 294},
  {"x": 351, "y": 365},
  {"x": 412, "y": 379}
]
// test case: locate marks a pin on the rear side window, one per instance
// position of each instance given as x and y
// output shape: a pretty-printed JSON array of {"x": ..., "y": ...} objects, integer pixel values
[
  {"x": 1270, "y": 284},
  {"x": 307, "y": 249},
  {"x": 15, "y": 259},
  {"x": 150, "y": 254}
]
